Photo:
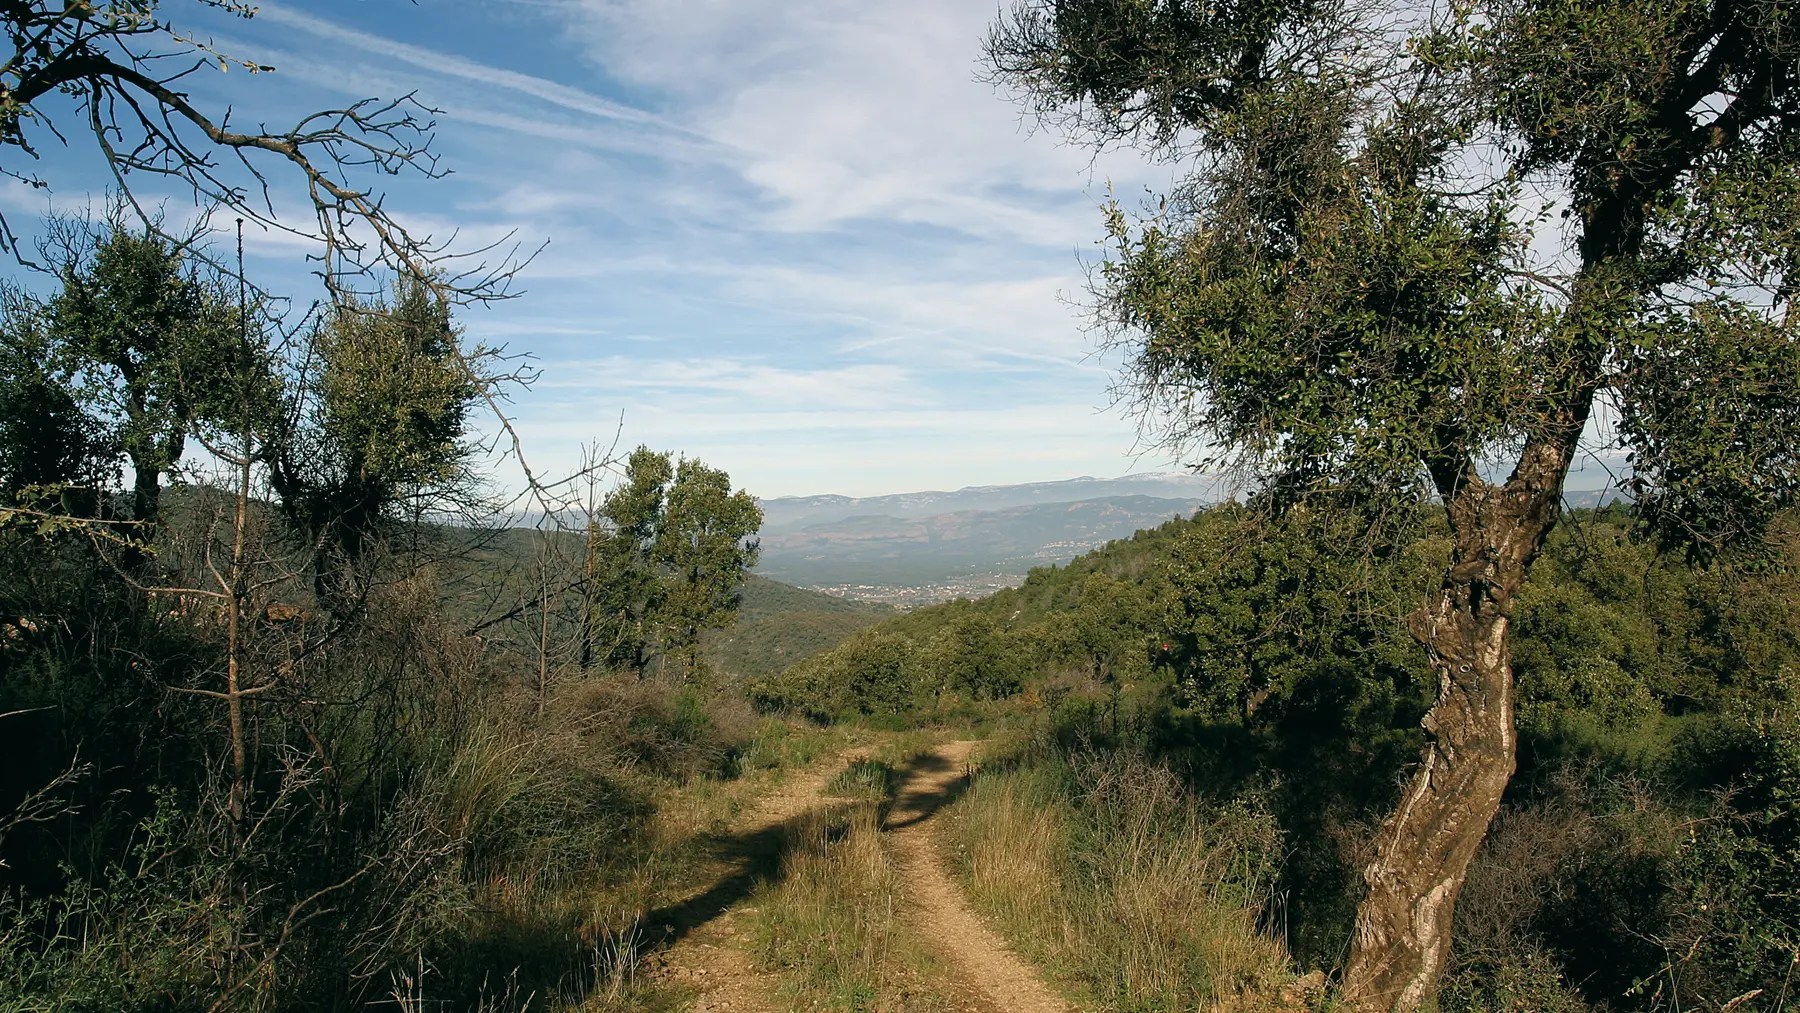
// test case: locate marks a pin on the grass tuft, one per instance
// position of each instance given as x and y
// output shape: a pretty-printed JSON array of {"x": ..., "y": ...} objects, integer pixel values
[{"x": 832, "y": 920}]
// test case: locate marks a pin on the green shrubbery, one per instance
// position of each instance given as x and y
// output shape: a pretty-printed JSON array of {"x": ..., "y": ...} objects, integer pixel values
[
  {"x": 272, "y": 741},
  {"x": 1642, "y": 851}
]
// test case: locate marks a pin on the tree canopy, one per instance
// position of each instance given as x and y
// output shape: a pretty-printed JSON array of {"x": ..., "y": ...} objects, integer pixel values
[{"x": 1430, "y": 248}]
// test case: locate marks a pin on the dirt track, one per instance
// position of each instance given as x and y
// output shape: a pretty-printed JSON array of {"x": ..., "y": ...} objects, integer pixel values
[
  {"x": 990, "y": 977},
  {"x": 709, "y": 930}
]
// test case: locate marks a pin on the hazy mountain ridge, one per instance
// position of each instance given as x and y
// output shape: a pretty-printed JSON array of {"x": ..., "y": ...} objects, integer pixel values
[
  {"x": 878, "y": 549},
  {"x": 792, "y": 513}
]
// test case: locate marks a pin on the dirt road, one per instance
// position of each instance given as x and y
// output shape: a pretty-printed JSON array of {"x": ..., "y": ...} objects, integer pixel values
[
  {"x": 989, "y": 975},
  {"x": 710, "y": 937}
]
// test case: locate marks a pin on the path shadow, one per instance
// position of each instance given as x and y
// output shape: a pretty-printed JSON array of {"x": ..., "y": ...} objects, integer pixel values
[
  {"x": 755, "y": 857},
  {"x": 915, "y": 804}
]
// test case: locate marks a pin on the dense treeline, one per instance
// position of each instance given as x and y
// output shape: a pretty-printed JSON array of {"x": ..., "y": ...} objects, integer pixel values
[{"x": 1649, "y": 845}]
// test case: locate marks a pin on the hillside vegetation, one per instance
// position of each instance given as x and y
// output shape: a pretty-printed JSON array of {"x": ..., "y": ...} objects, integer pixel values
[
  {"x": 1250, "y": 687},
  {"x": 778, "y": 624}
]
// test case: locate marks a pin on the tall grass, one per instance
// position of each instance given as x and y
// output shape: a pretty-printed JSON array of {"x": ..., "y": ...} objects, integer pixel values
[{"x": 1106, "y": 870}]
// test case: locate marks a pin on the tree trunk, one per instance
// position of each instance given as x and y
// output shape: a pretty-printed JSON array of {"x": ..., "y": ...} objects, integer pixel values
[
  {"x": 1423, "y": 850},
  {"x": 146, "y": 509}
]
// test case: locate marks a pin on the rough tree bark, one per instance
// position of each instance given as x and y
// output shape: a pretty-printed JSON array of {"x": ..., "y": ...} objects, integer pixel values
[{"x": 1422, "y": 852}]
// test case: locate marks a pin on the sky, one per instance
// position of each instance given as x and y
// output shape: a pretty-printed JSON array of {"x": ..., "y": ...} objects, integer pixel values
[{"x": 803, "y": 242}]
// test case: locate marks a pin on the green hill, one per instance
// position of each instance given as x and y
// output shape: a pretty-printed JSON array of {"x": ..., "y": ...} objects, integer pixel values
[{"x": 779, "y": 624}]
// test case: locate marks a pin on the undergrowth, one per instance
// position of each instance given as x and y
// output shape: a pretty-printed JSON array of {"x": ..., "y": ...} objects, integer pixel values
[{"x": 1106, "y": 871}]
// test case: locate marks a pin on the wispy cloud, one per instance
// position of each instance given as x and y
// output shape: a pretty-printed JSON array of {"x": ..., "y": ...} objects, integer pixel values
[
  {"x": 438, "y": 62},
  {"x": 803, "y": 241}
]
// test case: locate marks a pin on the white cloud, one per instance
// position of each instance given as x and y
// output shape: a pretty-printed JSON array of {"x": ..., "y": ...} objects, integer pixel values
[
  {"x": 801, "y": 240},
  {"x": 746, "y": 387},
  {"x": 485, "y": 76},
  {"x": 848, "y": 111}
]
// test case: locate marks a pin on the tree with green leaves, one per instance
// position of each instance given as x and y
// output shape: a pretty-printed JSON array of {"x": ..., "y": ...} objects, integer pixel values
[
  {"x": 706, "y": 545},
  {"x": 1107, "y": 629},
  {"x": 1425, "y": 250},
  {"x": 152, "y": 336},
  {"x": 622, "y": 588},
  {"x": 378, "y": 421},
  {"x": 668, "y": 563},
  {"x": 46, "y": 438}
]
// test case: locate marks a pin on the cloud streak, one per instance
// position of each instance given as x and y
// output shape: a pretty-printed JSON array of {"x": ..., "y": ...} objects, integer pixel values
[{"x": 803, "y": 241}]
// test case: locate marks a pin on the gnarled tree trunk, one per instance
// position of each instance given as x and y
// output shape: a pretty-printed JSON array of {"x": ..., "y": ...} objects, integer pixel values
[{"x": 1423, "y": 850}]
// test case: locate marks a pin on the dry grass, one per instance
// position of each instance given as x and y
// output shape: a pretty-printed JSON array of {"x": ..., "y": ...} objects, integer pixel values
[
  {"x": 1107, "y": 872},
  {"x": 832, "y": 919}
]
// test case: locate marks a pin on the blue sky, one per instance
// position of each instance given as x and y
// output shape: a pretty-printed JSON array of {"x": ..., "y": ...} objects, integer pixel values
[{"x": 801, "y": 241}]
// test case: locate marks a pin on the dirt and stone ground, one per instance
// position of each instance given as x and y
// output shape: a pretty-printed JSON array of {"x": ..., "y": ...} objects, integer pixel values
[{"x": 708, "y": 935}]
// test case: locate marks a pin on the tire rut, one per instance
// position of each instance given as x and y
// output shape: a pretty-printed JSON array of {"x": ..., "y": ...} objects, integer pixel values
[{"x": 990, "y": 976}]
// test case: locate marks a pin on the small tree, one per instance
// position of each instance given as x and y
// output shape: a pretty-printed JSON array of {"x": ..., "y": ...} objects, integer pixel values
[
  {"x": 1108, "y": 625},
  {"x": 707, "y": 544},
  {"x": 668, "y": 563},
  {"x": 1419, "y": 246},
  {"x": 151, "y": 335},
  {"x": 377, "y": 416},
  {"x": 622, "y": 587}
]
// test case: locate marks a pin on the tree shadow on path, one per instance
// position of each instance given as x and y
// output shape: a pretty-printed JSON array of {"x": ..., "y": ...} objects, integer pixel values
[{"x": 926, "y": 784}]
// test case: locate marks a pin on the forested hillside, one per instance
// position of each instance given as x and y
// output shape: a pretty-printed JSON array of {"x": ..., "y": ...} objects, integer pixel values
[
  {"x": 778, "y": 625},
  {"x": 1647, "y": 842}
]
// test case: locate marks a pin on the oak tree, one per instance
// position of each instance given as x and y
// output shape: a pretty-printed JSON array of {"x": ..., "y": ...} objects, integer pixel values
[
  {"x": 1451, "y": 248},
  {"x": 152, "y": 334},
  {"x": 377, "y": 420}
]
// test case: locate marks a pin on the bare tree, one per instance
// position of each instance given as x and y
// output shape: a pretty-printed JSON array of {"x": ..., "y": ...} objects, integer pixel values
[{"x": 117, "y": 71}]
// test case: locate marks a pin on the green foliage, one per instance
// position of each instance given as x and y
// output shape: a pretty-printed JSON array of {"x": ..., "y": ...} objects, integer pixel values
[
  {"x": 395, "y": 392},
  {"x": 1278, "y": 667},
  {"x": 1332, "y": 299},
  {"x": 155, "y": 343},
  {"x": 669, "y": 562},
  {"x": 1258, "y": 607},
  {"x": 769, "y": 637},
  {"x": 1093, "y": 616},
  {"x": 623, "y": 588},
  {"x": 393, "y": 809},
  {"x": 45, "y": 436},
  {"x": 377, "y": 422},
  {"x": 873, "y": 672},
  {"x": 706, "y": 543}
]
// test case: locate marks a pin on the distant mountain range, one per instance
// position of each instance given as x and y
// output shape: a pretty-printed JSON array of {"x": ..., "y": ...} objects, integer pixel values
[
  {"x": 972, "y": 540},
  {"x": 792, "y": 513},
  {"x": 936, "y": 538}
]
